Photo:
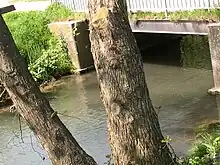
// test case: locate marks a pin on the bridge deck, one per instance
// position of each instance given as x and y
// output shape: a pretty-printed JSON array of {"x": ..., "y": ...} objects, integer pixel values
[{"x": 170, "y": 27}]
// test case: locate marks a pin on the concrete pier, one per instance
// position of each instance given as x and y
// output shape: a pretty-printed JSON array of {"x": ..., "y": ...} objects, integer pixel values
[
  {"x": 214, "y": 44},
  {"x": 76, "y": 35}
]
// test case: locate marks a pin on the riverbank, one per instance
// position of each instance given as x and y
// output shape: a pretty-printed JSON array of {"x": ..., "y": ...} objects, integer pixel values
[{"x": 46, "y": 88}]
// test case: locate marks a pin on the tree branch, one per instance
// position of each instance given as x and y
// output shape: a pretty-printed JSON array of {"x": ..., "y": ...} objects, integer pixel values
[
  {"x": 2, "y": 93},
  {"x": 20, "y": 128}
]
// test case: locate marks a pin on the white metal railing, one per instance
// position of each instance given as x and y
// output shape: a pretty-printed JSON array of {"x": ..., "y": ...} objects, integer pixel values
[{"x": 150, "y": 5}]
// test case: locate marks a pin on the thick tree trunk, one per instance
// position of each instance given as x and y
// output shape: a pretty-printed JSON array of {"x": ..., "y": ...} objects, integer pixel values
[
  {"x": 134, "y": 132},
  {"x": 55, "y": 138}
]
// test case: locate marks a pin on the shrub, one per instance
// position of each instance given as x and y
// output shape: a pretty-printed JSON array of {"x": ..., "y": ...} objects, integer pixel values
[
  {"x": 46, "y": 56},
  {"x": 30, "y": 32},
  {"x": 206, "y": 150},
  {"x": 53, "y": 62},
  {"x": 30, "y": 28}
]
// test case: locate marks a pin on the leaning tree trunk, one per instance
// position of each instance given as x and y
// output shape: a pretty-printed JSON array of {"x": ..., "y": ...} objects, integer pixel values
[
  {"x": 134, "y": 132},
  {"x": 55, "y": 138}
]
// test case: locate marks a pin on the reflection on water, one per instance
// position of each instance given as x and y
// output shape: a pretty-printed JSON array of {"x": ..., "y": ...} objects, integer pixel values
[{"x": 181, "y": 93}]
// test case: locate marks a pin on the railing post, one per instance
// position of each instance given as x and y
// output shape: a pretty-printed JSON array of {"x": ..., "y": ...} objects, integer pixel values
[
  {"x": 166, "y": 10},
  {"x": 209, "y": 5},
  {"x": 125, "y": 4}
]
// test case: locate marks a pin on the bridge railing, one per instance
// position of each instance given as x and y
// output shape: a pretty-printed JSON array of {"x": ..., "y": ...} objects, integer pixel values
[{"x": 150, "y": 5}]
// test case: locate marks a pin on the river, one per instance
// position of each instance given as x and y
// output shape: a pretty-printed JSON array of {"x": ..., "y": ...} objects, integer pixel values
[{"x": 181, "y": 93}]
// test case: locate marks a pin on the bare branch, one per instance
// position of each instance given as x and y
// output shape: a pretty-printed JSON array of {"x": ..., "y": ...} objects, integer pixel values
[
  {"x": 42, "y": 157},
  {"x": 2, "y": 93},
  {"x": 62, "y": 114},
  {"x": 20, "y": 127}
]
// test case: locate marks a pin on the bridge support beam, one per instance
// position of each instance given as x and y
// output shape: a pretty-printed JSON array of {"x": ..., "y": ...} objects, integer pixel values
[
  {"x": 76, "y": 35},
  {"x": 214, "y": 43}
]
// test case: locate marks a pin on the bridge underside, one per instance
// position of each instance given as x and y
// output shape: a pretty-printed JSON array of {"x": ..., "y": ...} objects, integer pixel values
[
  {"x": 146, "y": 26},
  {"x": 170, "y": 27}
]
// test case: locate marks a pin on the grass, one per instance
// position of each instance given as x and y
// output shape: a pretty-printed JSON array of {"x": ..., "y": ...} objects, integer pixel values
[
  {"x": 198, "y": 15},
  {"x": 206, "y": 148},
  {"x": 57, "y": 12},
  {"x": 212, "y": 15}
]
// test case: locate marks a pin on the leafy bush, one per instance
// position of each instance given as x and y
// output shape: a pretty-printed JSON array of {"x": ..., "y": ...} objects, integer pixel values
[
  {"x": 53, "y": 62},
  {"x": 206, "y": 150},
  {"x": 30, "y": 32},
  {"x": 46, "y": 56},
  {"x": 30, "y": 28}
]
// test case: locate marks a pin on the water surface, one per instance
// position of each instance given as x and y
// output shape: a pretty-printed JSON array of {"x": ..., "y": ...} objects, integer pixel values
[{"x": 181, "y": 93}]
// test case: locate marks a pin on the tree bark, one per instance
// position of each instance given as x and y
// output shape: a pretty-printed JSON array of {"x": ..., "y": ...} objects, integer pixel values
[
  {"x": 55, "y": 138},
  {"x": 133, "y": 128}
]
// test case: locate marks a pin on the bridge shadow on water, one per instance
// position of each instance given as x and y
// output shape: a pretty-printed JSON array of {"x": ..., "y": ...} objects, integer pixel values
[
  {"x": 180, "y": 92},
  {"x": 163, "y": 49}
]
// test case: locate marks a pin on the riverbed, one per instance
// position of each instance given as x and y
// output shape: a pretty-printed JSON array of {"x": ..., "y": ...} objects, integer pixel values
[{"x": 181, "y": 93}]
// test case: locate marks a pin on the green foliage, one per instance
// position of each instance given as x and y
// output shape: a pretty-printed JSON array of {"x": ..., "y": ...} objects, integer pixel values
[
  {"x": 167, "y": 139},
  {"x": 30, "y": 32},
  {"x": 46, "y": 56},
  {"x": 53, "y": 62},
  {"x": 58, "y": 11},
  {"x": 195, "y": 52},
  {"x": 146, "y": 15},
  {"x": 30, "y": 28},
  {"x": 206, "y": 150},
  {"x": 200, "y": 14}
]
